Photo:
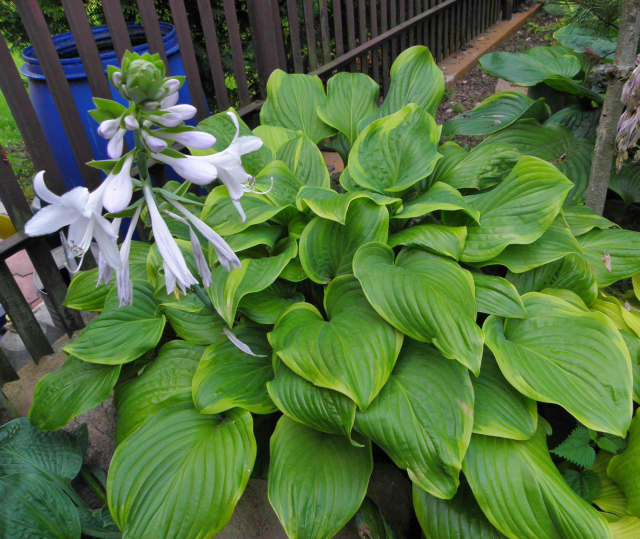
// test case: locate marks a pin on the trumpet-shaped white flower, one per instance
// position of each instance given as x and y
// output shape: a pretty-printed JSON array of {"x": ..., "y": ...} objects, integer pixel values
[
  {"x": 225, "y": 254},
  {"x": 119, "y": 187},
  {"x": 176, "y": 272},
  {"x": 189, "y": 168},
  {"x": 198, "y": 255},
  {"x": 193, "y": 139},
  {"x": 109, "y": 128},
  {"x": 105, "y": 270},
  {"x": 229, "y": 164},
  {"x": 170, "y": 119},
  {"x": 125, "y": 285},
  {"x": 131, "y": 122},
  {"x": 153, "y": 143},
  {"x": 116, "y": 144},
  {"x": 81, "y": 211}
]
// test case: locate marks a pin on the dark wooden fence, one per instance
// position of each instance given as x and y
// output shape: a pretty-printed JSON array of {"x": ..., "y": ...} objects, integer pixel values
[{"x": 318, "y": 37}]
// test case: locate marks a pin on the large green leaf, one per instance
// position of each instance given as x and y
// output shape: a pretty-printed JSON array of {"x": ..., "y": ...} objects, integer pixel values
[
  {"x": 351, "y": 97},
  {"x": 553, "y": 143},
  {"x": 170, "y": 375},
  {"x": 481, "y": 168},
  {"x": 531, "y": 67},
  {"x": 624, "y": 468},
  {"x": 415, "y": 78},
  {"x": 494, "y": 114},
  {"x": 317, "y": 407},
  {"x": 53, "y": 456},
  {"x": 556, "y": 242},
  {"x": 84, "y": 294},
  {"x": 517, "y": 211},
  {"x": 457, "y": 518},
  {"x": 263, "y": 234},
  {"x": 221, "y": 215},
  {"x": 581, "y": 219},
  {"x": 121, "y": 334},
  {"x": 587, "y": 40},
  {"x": 563, "y": 354},
  {"x": 192, "y": 321},
  {"x": 573, "y": 273},
  {"x": 274, "y": 136},
  {"x": 610, "y": 498},
  {"x": 180, "y": 474},
  {"x": 627, "y": 527},
  {"x": 266, "y": 306},
  {"x": 228, "y": 288},
  {"x": 371, "y": 521},
  {"x": 227, "y": 377},
  {"x": 500, "y": 410},
  {"x": 33, "y": 508},
  {"x": 626, "y": 182},
  {"x": 440, "y": 196},
  {"x": 495, "y": 295},
  {"x": 427, "y": 297},
  {"x": 423, "y": 418},
  {"x": 439, "y": 239},
  {"x": 395, "y": 152},
  {"x": 620, "y": 247},
  {"x": 327, "y": 247},
  {"x": 305, "y": 160},
  {"x": 328, "y": 204},
  {"x": 580, "y": 120},
  {"x": 317, "y": 481},
  {"x": 75, "y": 388},
  {"x": 522, "y": 493},
  {"x": 279, "y": 183},
  {"x": 353, "y": 353},
  {"x": 292, "y": 102}
]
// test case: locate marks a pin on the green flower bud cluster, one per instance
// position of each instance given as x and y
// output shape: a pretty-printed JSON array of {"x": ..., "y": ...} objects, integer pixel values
[{"x": 141, "y": 79}]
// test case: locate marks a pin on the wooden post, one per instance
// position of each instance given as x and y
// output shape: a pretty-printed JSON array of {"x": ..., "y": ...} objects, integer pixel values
[
  {"x": 622, "y": 66},
  {"x": 507, "y": 10},
  {"x": 264, "y": 39}
]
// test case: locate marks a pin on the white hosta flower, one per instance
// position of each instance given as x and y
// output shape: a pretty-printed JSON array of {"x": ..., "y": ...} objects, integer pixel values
[
  {"x": 105, "y": 270},
  {"x": 109, "y": 128},
  {"x": 228, "y": 259},
  {"x": 176, "y": 272},
  {"x": 131, "y": 122},
  {"x": 239, "y": 344},
  {"x": 169, "y": 101},
  {"x": 125, "y": 285},
  {"x": 198, "y": 255},
  {"x": 186, "y": 112},
  {"x": 116, "y": 144},
  {"x": 193, "y": 139},
  {"x": 116, "y": 79},
  {"x": 81, "y": 211},
  {"x": 170, "y": 119},
  {"x": 189, "y": 168},
  {"x": 153, "y": 143},
  {"x": 119, "y": 187},
  {"x": 229, "y": 164}
]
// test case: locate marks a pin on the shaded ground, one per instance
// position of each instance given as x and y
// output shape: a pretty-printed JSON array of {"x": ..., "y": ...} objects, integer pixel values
[{"x": 477, "y": 85}]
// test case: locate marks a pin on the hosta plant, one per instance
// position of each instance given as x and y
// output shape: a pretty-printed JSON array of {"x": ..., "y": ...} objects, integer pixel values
[{"x": 450, "y": 307}]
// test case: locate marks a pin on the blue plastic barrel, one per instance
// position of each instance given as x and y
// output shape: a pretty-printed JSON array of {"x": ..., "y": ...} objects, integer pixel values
[{"x": 74, "y": 71}]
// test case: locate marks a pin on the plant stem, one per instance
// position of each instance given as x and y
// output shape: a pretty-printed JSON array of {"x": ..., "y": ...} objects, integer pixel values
[
  {"x": 75, "y": 497},
  {"x": 93, "y": 484},
  {"x": 197, "y": 290},
  {"x": 622, "y": 66}
]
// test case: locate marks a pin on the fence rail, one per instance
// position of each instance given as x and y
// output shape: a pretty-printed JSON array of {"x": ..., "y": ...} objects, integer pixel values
[{"x": 228, "y": 48}]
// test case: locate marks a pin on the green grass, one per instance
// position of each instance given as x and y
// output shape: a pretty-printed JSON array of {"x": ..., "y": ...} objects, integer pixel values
[{"x": 11, "y": 141}]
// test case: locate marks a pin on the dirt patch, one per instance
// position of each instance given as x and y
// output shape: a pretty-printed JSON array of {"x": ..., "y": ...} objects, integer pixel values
[{"x": 477, "y": 85}]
